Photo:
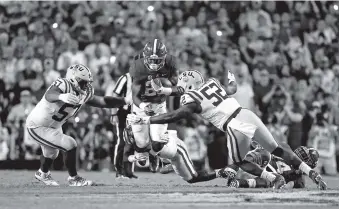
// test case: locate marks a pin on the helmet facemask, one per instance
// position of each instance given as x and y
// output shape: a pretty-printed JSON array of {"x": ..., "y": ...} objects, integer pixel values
[{"x": 154, "y": 63}]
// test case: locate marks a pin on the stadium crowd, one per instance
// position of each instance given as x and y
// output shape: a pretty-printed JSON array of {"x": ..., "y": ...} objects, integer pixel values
[{"x": 285, "y": 56}]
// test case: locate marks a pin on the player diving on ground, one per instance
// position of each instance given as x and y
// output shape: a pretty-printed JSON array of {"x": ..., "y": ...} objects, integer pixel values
[{"x": 211, "y": 101}]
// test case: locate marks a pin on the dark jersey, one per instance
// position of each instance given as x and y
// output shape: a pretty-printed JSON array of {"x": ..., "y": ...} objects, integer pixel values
[
  {"x": 142, "y": 75},
  {"x": 278, "y": 165}
]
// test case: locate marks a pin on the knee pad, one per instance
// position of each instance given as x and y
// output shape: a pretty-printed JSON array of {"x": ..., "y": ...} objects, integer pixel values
[
  {"x": 68, "y": 143},
  {"x": 50, "y": 152},
  {"x": 169, "y": 149}
]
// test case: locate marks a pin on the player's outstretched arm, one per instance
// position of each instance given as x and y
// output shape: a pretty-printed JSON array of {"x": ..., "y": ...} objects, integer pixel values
[
  {"x": 183, "y": 112},
  {"x": 55, "y": 94},
  {"x": 52, "y": 94},
  {"x": 106, "y": 102}
]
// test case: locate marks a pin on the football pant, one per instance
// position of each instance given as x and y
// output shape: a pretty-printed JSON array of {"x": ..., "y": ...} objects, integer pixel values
[
  {"x": 51, "y": 140},
  {"x": 240, "y": 132},
  {"x": 144, "y": 134}
]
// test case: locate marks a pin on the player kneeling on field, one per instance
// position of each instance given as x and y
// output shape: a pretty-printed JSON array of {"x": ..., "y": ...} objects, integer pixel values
[
  {"x": 62, "y": 100},
  {"x": 274, "y": 164},
  {"x": 175, "y": 151}
]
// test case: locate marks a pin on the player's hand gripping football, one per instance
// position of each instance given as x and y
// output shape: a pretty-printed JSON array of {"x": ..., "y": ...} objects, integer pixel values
[
  {"x": 137, "y": 120},
  {"x": 69, "y": 98},
  {"x": 159, "y": 88},
  {"x": 156, "y": 85}
]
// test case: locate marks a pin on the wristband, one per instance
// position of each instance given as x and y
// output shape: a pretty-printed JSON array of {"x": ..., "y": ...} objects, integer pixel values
[{"x": 166, "y": 91}]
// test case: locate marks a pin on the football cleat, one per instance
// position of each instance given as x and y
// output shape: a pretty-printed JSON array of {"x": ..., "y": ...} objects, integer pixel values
[
  {"x": 226, "y": 173},
  {"x": 121, "y": 176},
  {"x": 279, "y": 182},
  {"x": 46, "y": 178},
  {"x": 316, "y": 178},
  {"x": 79, "y": 181},
  {"x": 153, "y": 163},
  {"x": 166, "y": 169},
  {"x": 233, "y": 183}
]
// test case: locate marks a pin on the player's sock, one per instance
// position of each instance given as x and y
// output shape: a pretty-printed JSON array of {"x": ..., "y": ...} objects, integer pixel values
[
  {"x": 70, "y": 162},
  {"x": 267, "y": 175},
  {"x": 305, "y": 168},
  {"x": 244, "y": 183},
  {"x": 203, "y": 176},
  {"x": 46, "y": 164}
]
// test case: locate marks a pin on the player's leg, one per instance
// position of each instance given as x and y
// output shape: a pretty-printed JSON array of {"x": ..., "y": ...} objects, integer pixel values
[
  {"x": 266, "y": 140},
  {"x": 119, "y": 151},
  {"x": 156, "y": 130},
  {"x": 49, "y": 154},
  {"x": 239, "y": 146},
  {"x": 176, "y": 151}
]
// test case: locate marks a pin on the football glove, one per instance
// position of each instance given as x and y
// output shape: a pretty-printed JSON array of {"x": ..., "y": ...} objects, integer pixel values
[
  {"x": 69, "y": 98},
  {"x": 137, "y": 120},
  {"x": 138, "y": 157}
]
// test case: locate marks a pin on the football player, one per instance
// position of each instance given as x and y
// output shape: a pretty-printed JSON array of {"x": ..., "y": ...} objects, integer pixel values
[
  {"x": 155, "y": 63},
  {"x": 175, "y": 151},
  {"x": 211, "y": 101},
  {"x": 62, "y": 100},
  {"x": 271, "y": 163}
]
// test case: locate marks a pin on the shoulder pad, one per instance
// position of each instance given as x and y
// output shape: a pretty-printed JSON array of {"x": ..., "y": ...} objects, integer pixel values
[{"x": 63, "y": 85}]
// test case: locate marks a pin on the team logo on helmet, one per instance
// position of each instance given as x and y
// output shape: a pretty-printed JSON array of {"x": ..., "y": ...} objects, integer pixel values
[
  {"x": 190, "y": 80},
  {"x": 80, "y": 76}
]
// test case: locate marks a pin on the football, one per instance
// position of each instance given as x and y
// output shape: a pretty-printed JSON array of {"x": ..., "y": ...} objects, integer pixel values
[{"x": 164, "y": 81}]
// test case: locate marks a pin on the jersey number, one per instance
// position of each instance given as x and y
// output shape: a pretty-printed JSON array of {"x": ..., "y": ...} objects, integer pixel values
[
  {"x": 149, "y": 91},
  {"x": 217, "y": 93},
  {"x": 62, "y": 113}
]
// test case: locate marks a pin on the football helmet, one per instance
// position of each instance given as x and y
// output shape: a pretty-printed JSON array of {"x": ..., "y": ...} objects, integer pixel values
[
  {"x": 154, "y": 54},
  {"x": 309, "y": 155},
  {"x": 190, "y": 80},
  {"x": 80, "y": 77}
]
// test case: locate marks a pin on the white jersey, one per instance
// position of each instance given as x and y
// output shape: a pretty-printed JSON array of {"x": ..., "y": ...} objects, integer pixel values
[
  {"x": 54, "y": 115},
  {"x": 216, "y": 105}
]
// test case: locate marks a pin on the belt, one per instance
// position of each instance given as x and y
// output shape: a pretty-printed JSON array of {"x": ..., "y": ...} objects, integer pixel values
[{"x": 234, "y": 114}]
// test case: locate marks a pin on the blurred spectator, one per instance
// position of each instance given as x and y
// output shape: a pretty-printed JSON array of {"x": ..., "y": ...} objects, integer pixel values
[
  {"x": 323, "y": 137},
  {"x": 71, "y": 57},
  {"x": 29, "y": 61},
  {"x": 20, "y": 111},
  {"x": 244, "y": 94},
  {"x": 91, "y": 48},
  {"x": 9, "y": 63},
  {"x": 4, "y": 147}
]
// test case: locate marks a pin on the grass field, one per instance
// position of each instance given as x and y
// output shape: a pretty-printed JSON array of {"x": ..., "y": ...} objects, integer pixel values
[{"x": 19, "y": 189}]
